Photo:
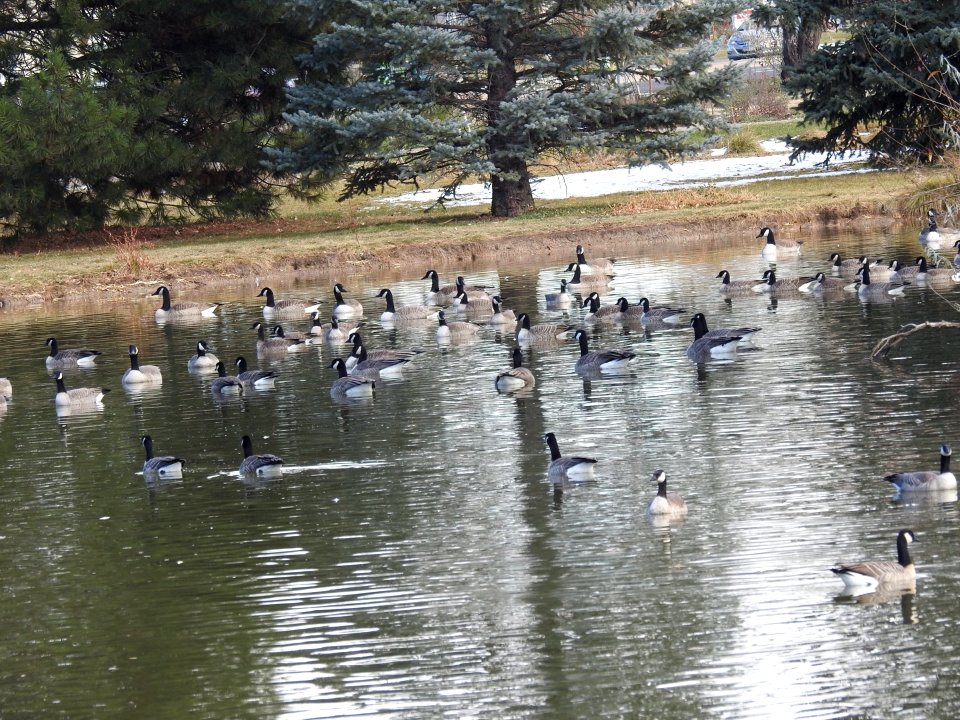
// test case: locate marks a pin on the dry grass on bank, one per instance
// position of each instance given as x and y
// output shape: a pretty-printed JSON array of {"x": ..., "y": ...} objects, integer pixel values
[{"x": 364, "y": 235}]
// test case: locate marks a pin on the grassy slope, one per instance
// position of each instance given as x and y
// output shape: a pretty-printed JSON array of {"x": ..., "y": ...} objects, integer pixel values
[{"x": 362, "y": 235}]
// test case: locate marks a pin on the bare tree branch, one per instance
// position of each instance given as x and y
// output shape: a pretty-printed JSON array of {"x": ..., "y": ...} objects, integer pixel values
[{"x": 892, "y": 341}]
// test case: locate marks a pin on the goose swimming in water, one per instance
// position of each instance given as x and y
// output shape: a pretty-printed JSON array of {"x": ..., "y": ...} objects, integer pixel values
[
  {"x": 887, "y": 574},
  {"x": 573, "y": 467},
  {"x": 926, "y": 480},
  {"x": 80, "y": 357},
  {"x": 163, "y": 466}
]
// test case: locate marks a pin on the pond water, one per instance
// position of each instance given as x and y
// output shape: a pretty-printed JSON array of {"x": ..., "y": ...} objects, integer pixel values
[{"x": 414, "y": 561}]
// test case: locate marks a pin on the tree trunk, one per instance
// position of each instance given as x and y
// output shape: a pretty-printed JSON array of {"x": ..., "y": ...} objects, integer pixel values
[
  {"x": 510, "y": 182},
  {"x": 800, "y": 42}
]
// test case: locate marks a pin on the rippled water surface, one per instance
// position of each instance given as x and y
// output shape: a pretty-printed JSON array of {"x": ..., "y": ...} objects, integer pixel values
[{"x": 414, "y": 562}]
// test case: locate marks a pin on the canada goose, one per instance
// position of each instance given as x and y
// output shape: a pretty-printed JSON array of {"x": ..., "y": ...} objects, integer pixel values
[
  {"x": 182, "y": 310},
  {"x": 263, "y": 465},
  {"x": 772, "y": 251},
  {"x": 890, "y": 575},
  {"x": 58, "y": 358},
  {"x": 580, "y": 281},
  {"x": 473, "y": 293},
  {"x": 349, "y": 386},
  {"x": 823, "y": 284},
  {"x": 541, "y": 332},
  {"x": 603, "y": 266},
  {"x": 920, "y": 480},
  {"x": 564, "y": 298},
  {"x": 700, "y": 330},
  {"x": 931, "y": 225},
  {"x": 410, "y": 313},
  {"x": 374, "y": 369},
  {"x": 704, "y": 348},
  {"x": 259, "y": 379},
  {"x": 78, "y": 397},
  {"x": 378, "y": 354},
  {"x": 602, "y": 360},
  {"x": 275, "y": 345},
  {"x": 348, "y": 308},
  {"x": 475, "y": 306},
  {"x": 334, "y": 332},
  {"x": 277, "y": 331},
  {"x": 291, "y": 306},
  {"x": 868, "y": 289},
  {"x": 627, "y": 312},
  {"x": 932, "y": 276},
  {"x": 938, "y": 236},
  {"x": 6, "y": 388},
  {"x": 454, "y": 329},
  {"x": 659, "y": 313},
  {"x": 501, "y": 316},
  {"x": 225, "y": 384},
  {"x": 203, "y": 360},
  {"x": 138, "y": 374},
  {"x": 845, "y": 268},
  {"x": 736, "y": 287},
  {"x": 599, "y": 313},
  {"x": 165, "y": 466},
  {"x": 574, "y": 467},
  {"x": 516, "y": 377},
  {"x": 900, "y": 273},
  {"x": 665, "y": 503},
  {"x": 774, "y": 286},
  {"x": 437, "y": 294}
]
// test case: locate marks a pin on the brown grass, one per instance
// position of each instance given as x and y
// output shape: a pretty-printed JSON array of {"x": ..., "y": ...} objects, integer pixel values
[{"x": 709, "y": 196}]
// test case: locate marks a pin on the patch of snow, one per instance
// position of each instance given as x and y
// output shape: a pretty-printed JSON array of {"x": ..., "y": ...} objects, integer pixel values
[{"x": 716, "y": 171}]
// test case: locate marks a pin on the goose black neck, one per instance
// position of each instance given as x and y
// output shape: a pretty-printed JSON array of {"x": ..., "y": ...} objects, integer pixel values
[
  {"x": 662, "y": 488},
  {"x": 270, "y": 300},
  {"x": 581, "y": 258},
  {"x": 388, "y": 296},
  {"x": 134, "y": 361},
  {"x": 865, "y": 275},
  {"x": 261, "y": 335},
  {"x": 241, "y": 364},
  {"x": 771, "y": 277},
  {"x": 903, "y": 550},
  {"x": 921, "y": 264},
  {"x": 442, "y": 319},
  {"x": 836, "y": 260},
  {"x": 699, "y": 326},
  {"x": 341, "y": 367},
  {"x": 247, "y": 446},
  {"x": 60, "y": 386},
  {"x": 164, "y": 299},
  {"x": 725, "y": 278},
  {"x": 554, "y": 447},
  {"x": 944, "y": 463},
  {"x": 357, "y": 340},
  {"x": 525, "y": 321},
  {"x": 584, "y": 348},
  {"x": 770, "y": 240},
  {"x": 594, "y": 303},
  {"x": 622, "y": 304},
  {"x": 517, "y": 358},
  {"x": 221, "y": 370},
  {"x": 200, "y": 351},
  {"x": 53, "y": 347},
  {"x": 434, "y": 282},
  {"x": 338, "y": 296},
  {"x": 576, "y": 275},
  {"x": 148, "y": 446},
  {"x": 361, "y": 352}
]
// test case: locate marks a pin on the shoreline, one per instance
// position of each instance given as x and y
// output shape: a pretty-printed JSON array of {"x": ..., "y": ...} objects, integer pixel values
[{"x": 322, "y": 256}]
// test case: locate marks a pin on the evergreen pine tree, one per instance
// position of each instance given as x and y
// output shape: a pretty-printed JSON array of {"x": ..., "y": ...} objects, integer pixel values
[
  {"x": 141, "y": 109},
  {"x": 892, "y": 89},
  {"x": 402, "y": 90}
]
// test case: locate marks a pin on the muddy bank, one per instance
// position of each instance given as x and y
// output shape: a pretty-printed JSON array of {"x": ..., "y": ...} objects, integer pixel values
[{"x": 316, "y": 261}]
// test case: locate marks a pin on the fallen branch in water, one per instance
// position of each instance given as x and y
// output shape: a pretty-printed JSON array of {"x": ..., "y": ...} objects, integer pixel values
[{"x": 890, "y": 342}]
